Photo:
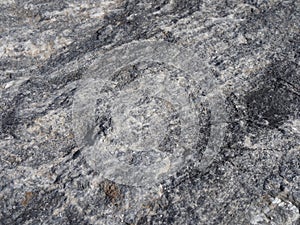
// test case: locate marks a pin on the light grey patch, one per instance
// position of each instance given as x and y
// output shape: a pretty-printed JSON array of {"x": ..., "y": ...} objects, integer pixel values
[{"x": 153, "y": 114}]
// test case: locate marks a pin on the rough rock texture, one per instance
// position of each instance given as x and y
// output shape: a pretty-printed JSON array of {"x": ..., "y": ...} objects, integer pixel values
[{"x": 149, "y": 112}]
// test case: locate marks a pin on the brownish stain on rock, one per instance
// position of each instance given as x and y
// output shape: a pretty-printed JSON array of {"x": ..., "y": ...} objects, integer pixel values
[
  {"x": 112, "y": 192},
  {"x": 28, "y": 197}
]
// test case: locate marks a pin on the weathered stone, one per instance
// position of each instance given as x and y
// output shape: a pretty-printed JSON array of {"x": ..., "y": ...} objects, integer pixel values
[{"x": 149, "y": 112}]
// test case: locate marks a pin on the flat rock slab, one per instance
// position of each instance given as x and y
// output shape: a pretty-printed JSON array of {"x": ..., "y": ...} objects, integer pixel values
[{"x": 138, "y": 112}]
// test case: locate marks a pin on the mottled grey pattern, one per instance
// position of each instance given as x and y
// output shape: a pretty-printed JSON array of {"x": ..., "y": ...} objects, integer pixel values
[
  {"x": 143, "y": 121},
  {"x": 149, "y": 112}
]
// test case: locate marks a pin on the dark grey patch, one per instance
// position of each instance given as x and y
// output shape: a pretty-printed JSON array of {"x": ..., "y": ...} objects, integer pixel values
[
  {"x": 62, "y": 101},
  {"x": 186, "y": 7},
  {"x": 125, "y": 76},
  {"x": 64, "y": 79},
  {"x": 34, "y": 206},
  {"x": 104, "y": 123},
  {"x": 273, "y": 100},
  {"x": 168, "y": 144},
  {"x": 290, "y": 168},
  {"x": 238, "y": 116},
  {"x": 72, "y": 216},
  {"x": 9, "y": 122},
  {"x": 9, "y": 116},
  {"x": 76, "y": 154},
  {"x": 170, "y": 37}
]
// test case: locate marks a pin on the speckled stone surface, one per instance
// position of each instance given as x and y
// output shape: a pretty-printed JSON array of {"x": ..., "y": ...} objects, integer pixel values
[{"x": 155, "y": 112}]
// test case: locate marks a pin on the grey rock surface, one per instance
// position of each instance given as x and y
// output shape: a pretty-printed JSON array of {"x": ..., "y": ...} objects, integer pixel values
[{"x": 133, "y": 112}]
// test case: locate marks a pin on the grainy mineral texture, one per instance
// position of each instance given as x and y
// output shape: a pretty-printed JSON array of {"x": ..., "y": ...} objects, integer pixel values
[{"x": 137, "y": 112}]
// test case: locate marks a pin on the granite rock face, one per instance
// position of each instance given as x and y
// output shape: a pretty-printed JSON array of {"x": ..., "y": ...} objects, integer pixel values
[{"x": 149, "y": 112}]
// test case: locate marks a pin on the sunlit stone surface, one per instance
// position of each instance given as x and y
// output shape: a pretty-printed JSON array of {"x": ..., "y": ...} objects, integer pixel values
[{"x": 149, "y": 112}]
